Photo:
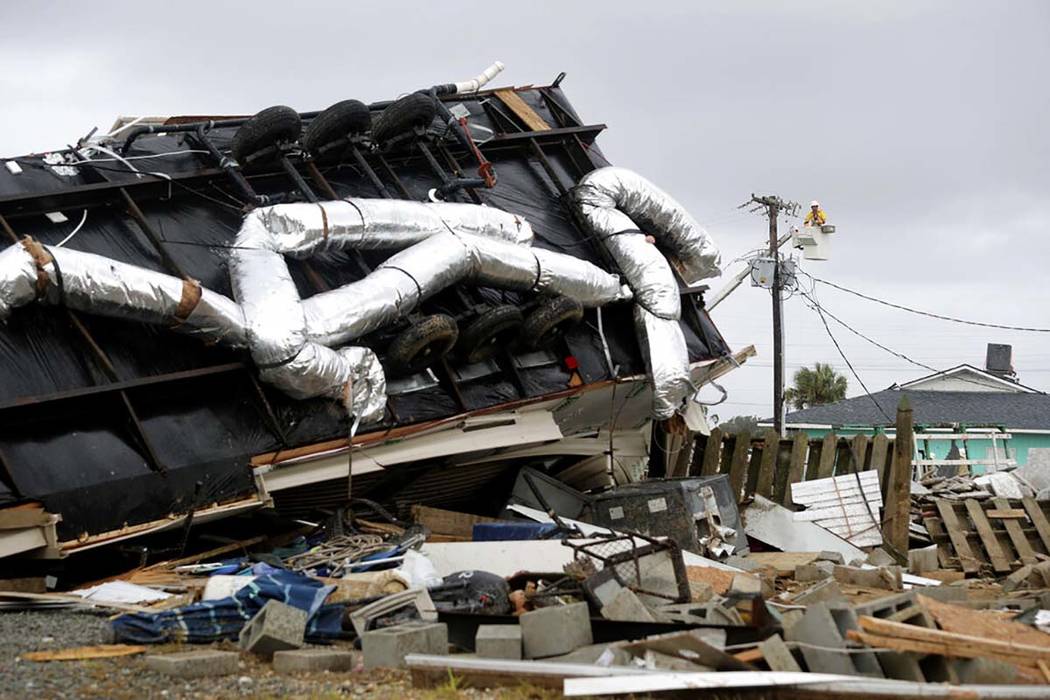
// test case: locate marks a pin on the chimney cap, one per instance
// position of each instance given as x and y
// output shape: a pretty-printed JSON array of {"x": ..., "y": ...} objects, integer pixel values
[{"x": 999, "y": 360}]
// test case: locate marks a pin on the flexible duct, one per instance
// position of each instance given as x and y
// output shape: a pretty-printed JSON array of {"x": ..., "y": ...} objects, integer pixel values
[
  {"x": 100, "y": 285},
  {"x": 440, "y": 245},
  {"x": 619, "y": 207},
  {"x": 398, "y": 286}
]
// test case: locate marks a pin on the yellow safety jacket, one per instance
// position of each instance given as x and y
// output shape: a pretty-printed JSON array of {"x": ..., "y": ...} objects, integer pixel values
[{"x": 816, "y": 218}]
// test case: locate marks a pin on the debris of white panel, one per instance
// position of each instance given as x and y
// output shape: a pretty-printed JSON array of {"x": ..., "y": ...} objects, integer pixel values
[
  {"x": 846, "y": 505},
  {"x": 776, "y": 526}
]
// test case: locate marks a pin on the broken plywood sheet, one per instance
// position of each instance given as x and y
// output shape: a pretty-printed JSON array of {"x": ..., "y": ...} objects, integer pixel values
[
  {"x": 776, "y": 526},
  {"x": 990, "y": 624},
  {"x": 846, "y": 505}
]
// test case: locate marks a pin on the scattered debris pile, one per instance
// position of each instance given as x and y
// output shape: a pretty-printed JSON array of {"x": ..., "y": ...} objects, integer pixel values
[{"x": 767, "y": 596}]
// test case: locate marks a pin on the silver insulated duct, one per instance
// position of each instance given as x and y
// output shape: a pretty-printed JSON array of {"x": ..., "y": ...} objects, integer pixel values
[
  {"x": 442, "y": 244},
  {"x": 620, "y": 208},
  {"x": 291, "y": 340}
]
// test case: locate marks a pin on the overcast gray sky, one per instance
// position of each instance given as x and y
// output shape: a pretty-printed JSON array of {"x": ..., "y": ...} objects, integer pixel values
[{"x": 921, "y": 126}]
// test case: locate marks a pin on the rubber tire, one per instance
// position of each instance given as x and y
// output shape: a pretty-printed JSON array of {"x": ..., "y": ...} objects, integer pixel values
[
  {"x": 550, "y": 321},
  {"x": 346, "y": 118},
  {"x": 422, "y": 344},
  {"x": 491, "y": 331},
  {"x": 403, "y": 116},
  {"x": 270, "y": 126}
]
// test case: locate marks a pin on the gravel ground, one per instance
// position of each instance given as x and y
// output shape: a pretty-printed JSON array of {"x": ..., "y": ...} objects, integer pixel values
[{"x": 127, "y": 677}]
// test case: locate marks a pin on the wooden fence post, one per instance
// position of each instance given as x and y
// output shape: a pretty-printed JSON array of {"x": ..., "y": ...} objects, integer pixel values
[
  {"x": 712, "y": 453},
  {"x": 738, "y": 463},
  {"x": 799, "y": 446},
  {"x": 770, "y": 450},
  {"x": 898, "y": 503}
]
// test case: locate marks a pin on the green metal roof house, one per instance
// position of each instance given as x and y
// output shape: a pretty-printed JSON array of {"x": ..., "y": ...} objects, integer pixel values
[{"x": 959, "y": 413}]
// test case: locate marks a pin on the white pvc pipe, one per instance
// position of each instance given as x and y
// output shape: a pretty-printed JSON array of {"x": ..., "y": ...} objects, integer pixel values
[{"x": 478, "y": 82}]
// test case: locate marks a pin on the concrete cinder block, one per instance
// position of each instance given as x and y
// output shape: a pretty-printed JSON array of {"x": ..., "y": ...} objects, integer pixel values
[
  {"x": 712, "y": 613},
  {"x": 194, "y": 664},
  {"x": 817, "y": 571},
  {"x": 387, "y": 647},
  {"x": 819, "y": 633},
  {"x": 888, "y": 577},
  {"x": 880, "y": 557},
  {"x": 498, "y": 642},
  {"x": 945, "y": 594},
  {"x": 777, "y": 655},
  {"x": 887, "y": 605},
  {"x": 742, "y": 563},
  {"x": 626, "y": 607},
  {"x": 555, "y": 630},
  {"x": 313, "y": 660},
  {"x": 745, "y": 585},
  {"x": 274, "y": 628},
  {"x": 826, "y": 591},
  {"x": 822, "y": 632},
  {"x": 1018, "y": 579},
  {"x": 833, "y": 557},
  {"x": 923, "y": 559},
  {"x": 606, "y": 591}
]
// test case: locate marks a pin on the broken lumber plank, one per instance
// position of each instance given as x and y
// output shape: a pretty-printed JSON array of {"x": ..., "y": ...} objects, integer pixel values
[
  {"x": 984, "y": 530},
  {"x": 23, "y": 515},
  {"x": 916, "y": 646},
  {"x": 1013, "y": 529},
  {"x": 967, "y": 560},
  {"x": 448, "y": 522},
  {"x": 749, "y": 656},
  {"x": 522, "y": 110},
  {"x": 984, "y": 624},
  {"x": 1003, "y": 511},
  {"x": 1035, "y": 512},
  {"x": 102, "y": 651},
  {"x": 955, "y": 644}
]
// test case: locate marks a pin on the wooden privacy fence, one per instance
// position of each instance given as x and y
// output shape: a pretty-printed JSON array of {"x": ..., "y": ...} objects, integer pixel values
[{"x": 766, "y": 464}]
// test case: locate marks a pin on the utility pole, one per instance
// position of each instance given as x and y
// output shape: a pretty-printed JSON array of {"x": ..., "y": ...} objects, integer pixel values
[{"x": 773, "y": 205}]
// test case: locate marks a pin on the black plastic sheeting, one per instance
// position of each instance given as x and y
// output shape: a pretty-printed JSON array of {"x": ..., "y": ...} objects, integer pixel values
[{"x": 84, "y": 456}]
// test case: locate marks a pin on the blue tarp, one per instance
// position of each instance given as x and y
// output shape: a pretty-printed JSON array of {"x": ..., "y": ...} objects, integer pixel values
[{"x": 212, "y": 620}]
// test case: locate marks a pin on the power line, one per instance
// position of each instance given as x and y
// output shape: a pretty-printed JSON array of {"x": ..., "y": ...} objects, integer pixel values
[
  {"x": 820, "y": 313},
  {"x": 816, "y": 306},
  {"x": 928, "y": 313}
]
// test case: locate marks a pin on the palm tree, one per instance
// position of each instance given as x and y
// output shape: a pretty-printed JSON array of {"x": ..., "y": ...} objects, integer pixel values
[{"x": 816, "y": 386}]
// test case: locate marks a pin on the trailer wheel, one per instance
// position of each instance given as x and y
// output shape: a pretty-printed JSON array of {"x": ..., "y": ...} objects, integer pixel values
[
  {"x": 346, "y": 118},
  {"x": 488, "y": 333},
  {"x": 268, "y": 127},
  {"x": 550, "y": 321},
  {"x": 403, "y": 116},
  {"x": 422, "y": 344}
]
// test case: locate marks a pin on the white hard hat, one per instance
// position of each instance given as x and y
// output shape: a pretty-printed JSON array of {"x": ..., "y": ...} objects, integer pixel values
[{"x": 814, "y": 203}]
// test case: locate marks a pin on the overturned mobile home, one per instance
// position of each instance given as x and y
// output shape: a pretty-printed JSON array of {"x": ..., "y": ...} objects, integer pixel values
[{"x": 201, "y": 316}]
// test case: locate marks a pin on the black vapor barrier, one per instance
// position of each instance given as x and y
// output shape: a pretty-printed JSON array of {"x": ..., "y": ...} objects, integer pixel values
[{"x": 114, "y": 423}]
